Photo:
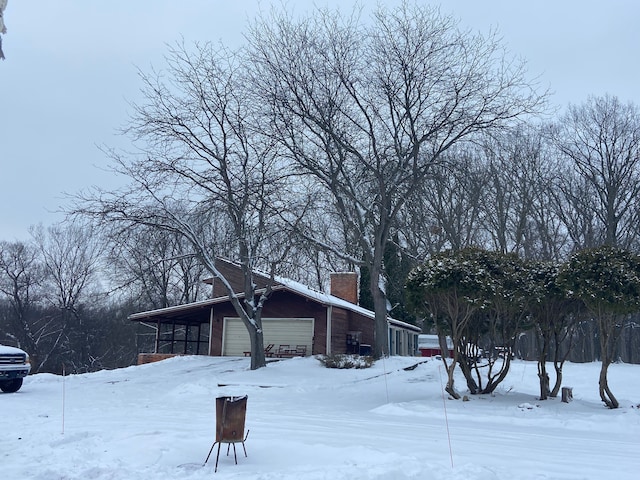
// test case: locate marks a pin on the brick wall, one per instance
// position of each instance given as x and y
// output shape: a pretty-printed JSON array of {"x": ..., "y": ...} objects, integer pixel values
[{"x": 153, "y": 357}]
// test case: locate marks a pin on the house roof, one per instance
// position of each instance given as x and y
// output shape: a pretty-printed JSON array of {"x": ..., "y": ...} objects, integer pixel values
[
  {"x": 332, "y": 300},
  {"x": 181, "y": 312}
]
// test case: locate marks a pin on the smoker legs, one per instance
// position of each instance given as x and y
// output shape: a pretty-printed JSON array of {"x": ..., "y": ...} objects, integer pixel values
[{"x": 235, "y": 457}]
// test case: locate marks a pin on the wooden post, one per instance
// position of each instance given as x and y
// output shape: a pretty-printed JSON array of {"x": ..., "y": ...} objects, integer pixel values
[{"x": 567, "y": 394}]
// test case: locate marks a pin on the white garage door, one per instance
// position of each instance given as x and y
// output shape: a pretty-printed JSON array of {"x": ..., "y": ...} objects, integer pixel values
[{"x": 279, "y": 331}]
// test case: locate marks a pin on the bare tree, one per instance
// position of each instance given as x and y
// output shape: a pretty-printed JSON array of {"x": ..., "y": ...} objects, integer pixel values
[
  {"x": 155, "y": 267},
  {"x": 71, "y": 258},
  {"x": 517, "y": 203},
  {"x": 601, "y": 141},
  {"x": 574, "y": 201},
  {"x": 447, "y": 210},
  {"x": 368, "y": 108},
  {"x": 202, "y": 163},
  {"x": 20, "y": 276},
  {"x": 51, "y": 305}
]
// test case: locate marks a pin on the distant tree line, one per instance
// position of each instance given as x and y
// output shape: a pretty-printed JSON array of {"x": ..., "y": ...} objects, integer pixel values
[
  {"x": 327, "y": 142},
  {"x": 65, "y": 294}
]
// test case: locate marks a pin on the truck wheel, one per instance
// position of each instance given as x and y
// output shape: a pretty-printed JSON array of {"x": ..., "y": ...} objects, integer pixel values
[{"x": 10, "y": 386}]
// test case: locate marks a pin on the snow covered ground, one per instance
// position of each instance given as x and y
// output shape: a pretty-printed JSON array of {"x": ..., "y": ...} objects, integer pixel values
[{"x": 157, "y": 421}]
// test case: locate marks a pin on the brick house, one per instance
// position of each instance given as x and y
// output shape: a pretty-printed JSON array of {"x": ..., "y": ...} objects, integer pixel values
[{"x": 294, "y": 315}]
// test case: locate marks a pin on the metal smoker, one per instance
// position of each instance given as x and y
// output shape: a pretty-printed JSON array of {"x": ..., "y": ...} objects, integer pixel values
[{"x": 230, "y": 417}]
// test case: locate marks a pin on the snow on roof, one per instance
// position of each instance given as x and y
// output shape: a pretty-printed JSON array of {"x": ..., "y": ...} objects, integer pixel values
[{"x": 331, "y": 300}]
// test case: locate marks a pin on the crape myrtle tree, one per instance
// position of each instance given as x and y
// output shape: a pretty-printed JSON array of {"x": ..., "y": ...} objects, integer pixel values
[
  {"x": 507, "y": 294},
  {"x": 201, "y": 162},
  {"x": 607, "y": 280},
  {"x": 553, "y": 314},
  {"x": 367, "y": 108},
  {"x": 494, "y": 329},
  {"x": 448, "y": 290},
  {"x": 477, "y": 297}
]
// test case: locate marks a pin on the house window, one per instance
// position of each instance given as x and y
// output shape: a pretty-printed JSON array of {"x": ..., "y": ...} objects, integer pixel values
[{"x": 183, "y": 339}]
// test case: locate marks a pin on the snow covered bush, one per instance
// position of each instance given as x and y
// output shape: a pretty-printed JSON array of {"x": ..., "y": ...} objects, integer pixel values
[{"x": 346, "y": 361}]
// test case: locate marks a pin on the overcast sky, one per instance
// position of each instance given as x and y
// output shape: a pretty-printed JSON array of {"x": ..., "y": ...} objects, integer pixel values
[{"x": 71, "y": 69}]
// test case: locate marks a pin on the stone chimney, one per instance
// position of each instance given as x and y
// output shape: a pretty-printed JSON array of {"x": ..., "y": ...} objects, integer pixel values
[{"x": 344, "y": 285}]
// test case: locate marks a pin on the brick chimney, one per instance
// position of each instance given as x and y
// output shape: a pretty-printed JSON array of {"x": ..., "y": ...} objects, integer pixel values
[{"x": 344, "y": 285}]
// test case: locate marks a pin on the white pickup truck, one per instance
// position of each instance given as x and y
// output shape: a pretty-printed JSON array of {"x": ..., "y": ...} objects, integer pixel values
[{"x": 14, "y": 366}]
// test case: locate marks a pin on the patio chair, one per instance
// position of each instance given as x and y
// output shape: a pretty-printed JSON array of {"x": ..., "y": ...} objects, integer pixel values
[
  {"x": 230, "y": 417},
  {"x": 267, "y": 350},
  {"x": 283, "y": 351}
]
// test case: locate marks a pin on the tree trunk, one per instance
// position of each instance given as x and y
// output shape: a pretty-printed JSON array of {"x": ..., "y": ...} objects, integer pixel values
[
  {"x": 544, "y": 381},
  {"x": 605, "y": 393},
  {"x": 542, "y": 367},
  {"x": 449, "y": 367},
  {"x": 258, "y": 359},
  {"x": 381, "y": 332},
  {"x": 253, "y": 325},
  {"x": 559, "y": 357},
  {"x": 450, "y": 389},
  {"x": 556, "y": 388},
  {"x": 472, "y": 385},
  {"x": 460, "y": 344},
  {"x": 495, "y": 380},
  {"x": 609, "y": 334}
]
